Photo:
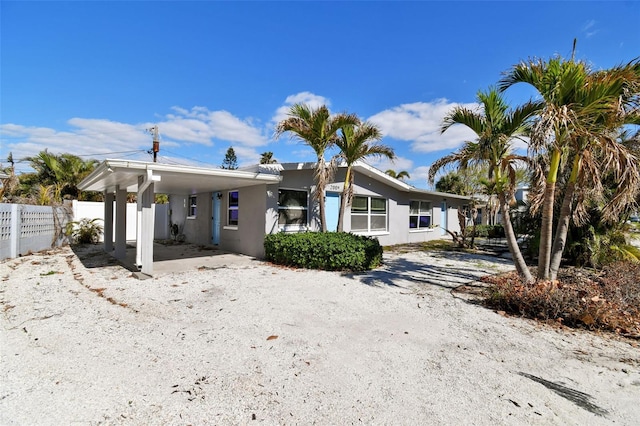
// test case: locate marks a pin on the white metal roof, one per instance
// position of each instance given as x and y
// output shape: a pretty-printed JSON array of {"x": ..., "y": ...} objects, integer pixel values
[
  {"x": 170, "y": 178},
  {"x": 376, "y": 174}
]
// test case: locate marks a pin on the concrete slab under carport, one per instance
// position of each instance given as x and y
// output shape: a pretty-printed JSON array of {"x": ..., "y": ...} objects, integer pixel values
[{"x": 170, "y": 256}]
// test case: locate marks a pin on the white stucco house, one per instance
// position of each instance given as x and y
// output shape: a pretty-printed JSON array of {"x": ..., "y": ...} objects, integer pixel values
[{"x": 235, "y": 209}]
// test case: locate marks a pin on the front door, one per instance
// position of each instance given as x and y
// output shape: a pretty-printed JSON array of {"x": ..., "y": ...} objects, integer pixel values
[
  {"x": 215, "y": 218},
  {"x": 332, "y": 209}
]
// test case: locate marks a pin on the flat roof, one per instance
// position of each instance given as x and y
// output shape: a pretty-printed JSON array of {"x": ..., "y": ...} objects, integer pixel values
[{"x": 171, "y": 178}]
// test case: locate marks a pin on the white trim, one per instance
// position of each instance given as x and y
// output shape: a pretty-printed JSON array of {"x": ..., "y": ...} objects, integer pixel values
[
  {"x": 372, "y": 233},
  {"x": 369, "y": 214}
]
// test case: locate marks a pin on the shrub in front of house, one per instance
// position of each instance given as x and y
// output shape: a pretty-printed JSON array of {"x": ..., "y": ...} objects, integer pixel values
[
  {"x": 488, "y": 231},
  {"x": 331, "y": 251}
]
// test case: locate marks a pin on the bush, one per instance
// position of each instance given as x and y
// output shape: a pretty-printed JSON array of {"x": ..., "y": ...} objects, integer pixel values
[
  {"x": 488, "y": 231},
  {"x": 85, "y": 231},
  {"x": 599, "y": 246},
  {"x": 609, "y": 300},
  {"x": 329, "y": 251}
]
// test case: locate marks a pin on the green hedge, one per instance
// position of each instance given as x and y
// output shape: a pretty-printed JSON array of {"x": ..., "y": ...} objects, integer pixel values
[
  {"x": 488, "y": 231},
  {"x": 331, "y": 251}
]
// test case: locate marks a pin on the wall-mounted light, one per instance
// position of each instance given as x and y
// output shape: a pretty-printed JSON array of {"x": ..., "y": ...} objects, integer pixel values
[{"x": 219, "y": 195}]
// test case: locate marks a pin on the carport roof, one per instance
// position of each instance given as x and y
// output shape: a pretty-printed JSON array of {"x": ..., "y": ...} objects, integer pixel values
[{"x": 170, "y": 178}]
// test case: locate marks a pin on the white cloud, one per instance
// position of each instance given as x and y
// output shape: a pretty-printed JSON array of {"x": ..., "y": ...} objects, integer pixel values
[
  {"x": 589, "y": 28},
  {"x": 384, "y": 164},
  {"x": 247, "y": 156},
  {"x": 199, "y": 125},
  {"x": 311, "y": 99},
  {"x": 88, "y": 137},
  {"x": 420, "y": 123},
  {"x": 103, "y": 138},
  {"x": 419, "y": 177}
]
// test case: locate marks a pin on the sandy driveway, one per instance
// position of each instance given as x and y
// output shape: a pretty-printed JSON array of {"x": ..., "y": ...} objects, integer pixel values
[{"x": 259, "y": 344}]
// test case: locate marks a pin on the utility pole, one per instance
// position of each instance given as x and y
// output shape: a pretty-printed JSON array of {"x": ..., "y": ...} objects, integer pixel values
[{"x": 156, "y": 142}]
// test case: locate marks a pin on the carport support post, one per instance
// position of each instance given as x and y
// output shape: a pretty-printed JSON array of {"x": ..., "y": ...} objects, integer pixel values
[
  {"x": 109, "y": 197},
  {"x": 121, "y": 223},
  {"x": 146, "y": 225}
]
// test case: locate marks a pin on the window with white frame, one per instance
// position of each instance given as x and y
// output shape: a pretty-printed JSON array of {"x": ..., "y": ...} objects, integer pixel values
[
  {"x": 234, "y": 202},
  {"x": 368, "y": 214},
  {"x": 193, "y": 205},
  {"x": 420, "y": 213},
  {"x": 293, "y": 208}
]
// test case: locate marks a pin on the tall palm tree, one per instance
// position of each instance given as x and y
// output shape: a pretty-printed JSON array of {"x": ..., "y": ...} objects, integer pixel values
[
  {"x": 72, "y": 170},
  {"x": 569, "y": 129},
  {"x": 599, "y": 152},
  {"x": 46, "y": 166},
  {"x": 317, "y": 128},
  {"x": 398, "y": 175},
  {"x": 496, "y": 127},
  {"x": 267, "y": 158},
  {"x": 64, "y": 171},
  {"x": 357, "y": 143},
  {"x": 556, "y": 80}
]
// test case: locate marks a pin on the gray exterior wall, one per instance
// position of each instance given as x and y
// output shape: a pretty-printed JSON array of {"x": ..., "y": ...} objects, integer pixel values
[
  {"x": 196, "y": 229},
  {"x": 258, "y": 212},
  {"x": 248, "y": 236},
  {"x": 255, "y": 203},
  {"x": 398, "y": 231}
]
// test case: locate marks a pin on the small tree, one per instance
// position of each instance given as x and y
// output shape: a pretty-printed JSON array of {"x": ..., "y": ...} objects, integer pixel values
[
  {"x": 230, "y": 161},
  {"x": 398, "y": 175},
  {"x": 356, "y": 143},
  {"x": 267, "y": 158},
  {"x": 318, "y": 129}
]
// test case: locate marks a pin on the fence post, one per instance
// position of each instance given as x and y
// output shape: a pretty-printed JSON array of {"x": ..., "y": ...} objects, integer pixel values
[{"x": 15, "y": 230}]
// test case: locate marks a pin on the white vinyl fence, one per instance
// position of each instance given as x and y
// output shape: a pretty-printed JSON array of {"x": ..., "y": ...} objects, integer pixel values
[
  {"x": 26, "y": 228},
  {"x": 91, "y": 210}
]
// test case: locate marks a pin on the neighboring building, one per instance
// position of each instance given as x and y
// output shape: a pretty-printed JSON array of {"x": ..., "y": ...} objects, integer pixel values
[{"x": 236, "y": 208}]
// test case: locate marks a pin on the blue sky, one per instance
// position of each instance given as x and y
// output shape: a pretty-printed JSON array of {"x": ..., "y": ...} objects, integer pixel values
[{"x": 89, "y": 77}]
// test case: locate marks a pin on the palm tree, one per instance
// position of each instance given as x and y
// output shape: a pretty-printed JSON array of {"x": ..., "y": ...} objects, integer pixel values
[
  {"x": 72, "y": 170},
  {"x": 599, "y": 152},
  {"x": 452, "y": 183},
  {"x": 10, "y": 183},
  {"x": 580, "y": 109},
  {"x": 496, "y": 127},
  {"x": 64, "y": 170},
  {"x": 398, "y": 175},
  {"x": 46, "y": 166},
  {"x": 318, "y": 129},
  {"x": 267, "y": 158},
  {"x": 354, "y": 144}
]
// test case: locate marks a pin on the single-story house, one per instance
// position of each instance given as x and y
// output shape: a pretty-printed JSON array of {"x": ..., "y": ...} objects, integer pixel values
[{"x": 234, "y": 209}]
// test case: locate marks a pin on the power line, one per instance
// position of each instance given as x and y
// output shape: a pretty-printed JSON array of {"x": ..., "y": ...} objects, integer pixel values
[
  {"x": 189, "y": 158},
  {"x": 24, "y": 160},
  {"x": 109, "y": 153}
]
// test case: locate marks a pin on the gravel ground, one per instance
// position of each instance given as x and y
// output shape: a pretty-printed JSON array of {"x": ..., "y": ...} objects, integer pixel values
[{"x": 82, "y": 342}]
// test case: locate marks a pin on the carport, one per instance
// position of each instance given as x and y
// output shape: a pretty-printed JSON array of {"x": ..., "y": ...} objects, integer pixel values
[{"x": 116, "y": 178}]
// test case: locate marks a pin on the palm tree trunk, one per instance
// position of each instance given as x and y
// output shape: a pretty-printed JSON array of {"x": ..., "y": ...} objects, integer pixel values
[
  {"x": 546, "y": 231},
  {"x": 343, "y": 199},
  {"x": 562, "y": 228},
  {"x": 512, "y": 242},
  {"x": 320, "y": 185}
]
